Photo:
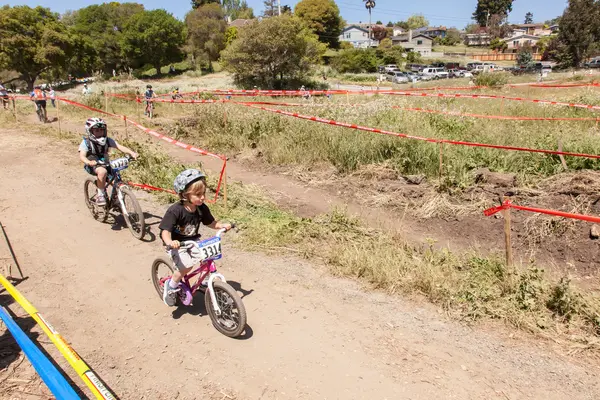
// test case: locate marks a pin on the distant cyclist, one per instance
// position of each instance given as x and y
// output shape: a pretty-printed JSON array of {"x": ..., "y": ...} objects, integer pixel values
[
  {"x": 149, "y": 95},
  {"x": 38, "y": 96}
]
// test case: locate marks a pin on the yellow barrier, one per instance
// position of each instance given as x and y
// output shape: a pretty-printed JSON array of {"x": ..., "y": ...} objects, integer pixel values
[{"x": 85, "y": 373}]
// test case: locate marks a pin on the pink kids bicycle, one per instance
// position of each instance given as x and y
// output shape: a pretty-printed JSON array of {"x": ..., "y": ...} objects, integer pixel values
[{"x": 223, "y": 304}]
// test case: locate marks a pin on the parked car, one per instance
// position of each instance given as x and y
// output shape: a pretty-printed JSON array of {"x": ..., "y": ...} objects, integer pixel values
[
  {"x": 413, "y": 76},
  {"x": 471, "y": 66},
  {"x": 390, "y": 67},
  {"x": 435, "y": 73},
  {"x": 397, "y": 77},
  {"x": 454, "y": 73},
  {"x": 423, "y": 76},
  {"x": 593, "y": 63}
]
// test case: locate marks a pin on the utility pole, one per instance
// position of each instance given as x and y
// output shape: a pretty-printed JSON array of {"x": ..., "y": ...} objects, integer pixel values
[
  {"x": 487, "y": 19},
  {"x": 279, "y": 6}
]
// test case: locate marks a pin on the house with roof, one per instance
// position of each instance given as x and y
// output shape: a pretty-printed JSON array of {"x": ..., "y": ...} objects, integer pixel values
[
  {"x": 515, "y": 43},
  {"x": 439, "y": 31},
  {"x": 532, "y": 29},
  {"x": 358, "y": 37},
  {"x": 238, "y": 23},
  {"x": 418, "y": 43}
]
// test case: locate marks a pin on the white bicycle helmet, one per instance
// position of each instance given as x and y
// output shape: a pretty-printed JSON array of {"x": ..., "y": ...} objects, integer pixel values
[
  {"x": 96, "y": 123},
  {"x": 186, "y": 178}
]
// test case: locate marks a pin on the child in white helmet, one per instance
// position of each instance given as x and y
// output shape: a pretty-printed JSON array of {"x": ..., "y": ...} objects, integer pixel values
[
  {"x": 181, "y": 223},
  {"x": 93, "y": 152}
]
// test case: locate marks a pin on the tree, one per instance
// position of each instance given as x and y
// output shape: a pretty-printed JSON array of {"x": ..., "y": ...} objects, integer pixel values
[
  {"x": 230, "y": 35},
  {"x": 413, "y": 57},
  {"x": 472, "y": 28},
  {"x": 385, "y": 43},
  {"x": 271, "y": 8},
  {"x": 498, "y": 44},
  {"x": 199, "y": 3},
  {"x": 390, "y": 24},
  {"x": 580, "y": 28},
  {"x": 272, "y": 53},
  {"x": 528, "y": 18},
  {"x": 101, "y": 27},
  {"x": 498, "y": 28},
  {"x": 323, "y": 18},
  {"x": 32, "y": 41},
  {"x": 417, "y": 21},
  {"x": 487, "y": 8},
  {"x": 206, "y": 28},
  {"x": 369, "y": 4},
  {"x": 452, "y": 37},
  {"x": 378, "y": 23},
  {"x": 286, "y": 9},
  {"x": 525, "y": 56},
  {"x": 356, "y": 61},
  {"x": 153, "y": 37},
  {"x": 244, "y": 12},
  {"x": 379, "y": 32}
]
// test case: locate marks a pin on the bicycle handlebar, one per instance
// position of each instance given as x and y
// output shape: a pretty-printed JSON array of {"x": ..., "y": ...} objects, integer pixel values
[{"x": 220, "y": 232}]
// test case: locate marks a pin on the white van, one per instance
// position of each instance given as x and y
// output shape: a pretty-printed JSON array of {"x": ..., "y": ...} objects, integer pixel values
[{"x": 435, "y": 73}]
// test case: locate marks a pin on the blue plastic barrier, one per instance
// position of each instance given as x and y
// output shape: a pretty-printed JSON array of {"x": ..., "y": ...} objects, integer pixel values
[{"x": 57, "y": 383}]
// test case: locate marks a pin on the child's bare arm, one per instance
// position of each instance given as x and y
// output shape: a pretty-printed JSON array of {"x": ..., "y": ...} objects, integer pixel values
[
  {"x": 220, "y": 225},
  {"x": 84, "y": 159},
  {"x": 127, "y": 150},
  {"x": 166, "y": 237}
]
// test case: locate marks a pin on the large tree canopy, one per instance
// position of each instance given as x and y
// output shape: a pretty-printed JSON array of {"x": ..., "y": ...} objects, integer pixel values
[
  {"x": 32, "y": 41},
  {"x": 272, "y": 52},
  {"x": 323, "y": 18},
  {"x": 153, "y": 37},
  {"x": 487, "y": 8},
  {"x": 206, "y": 31}
]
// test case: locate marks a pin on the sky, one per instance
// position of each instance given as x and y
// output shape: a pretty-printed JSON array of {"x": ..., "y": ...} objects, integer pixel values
[{"x": 449, "y": 13}]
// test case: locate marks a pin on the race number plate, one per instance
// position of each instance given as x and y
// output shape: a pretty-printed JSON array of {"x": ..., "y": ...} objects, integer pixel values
[{"x": 210, "y": 249}]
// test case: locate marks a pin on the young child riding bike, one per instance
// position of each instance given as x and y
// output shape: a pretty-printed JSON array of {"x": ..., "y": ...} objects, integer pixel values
[
  {"x": 93, "y": 152},
  {"x": 149, "y": 95},
  {"x": 181, "y": 223}
]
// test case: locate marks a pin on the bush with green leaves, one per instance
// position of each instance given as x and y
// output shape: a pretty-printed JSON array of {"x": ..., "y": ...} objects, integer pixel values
[
  {"x": 356, "y": 61},
  {"x": 272, "y": 53}
]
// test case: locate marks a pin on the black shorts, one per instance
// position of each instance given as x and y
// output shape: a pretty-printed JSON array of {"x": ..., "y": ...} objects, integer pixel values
[
  {"x": 92, "y": 170},
  {"x": 41, "y": 103}
]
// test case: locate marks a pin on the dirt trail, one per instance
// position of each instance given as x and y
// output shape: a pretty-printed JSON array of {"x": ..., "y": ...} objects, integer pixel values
[{"x": 311, "y": 336}]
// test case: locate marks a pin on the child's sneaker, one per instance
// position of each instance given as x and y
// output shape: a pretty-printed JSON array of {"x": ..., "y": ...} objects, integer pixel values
[
  {"x": 169, "y": 294},
  {"x": 100, "y": 199}
]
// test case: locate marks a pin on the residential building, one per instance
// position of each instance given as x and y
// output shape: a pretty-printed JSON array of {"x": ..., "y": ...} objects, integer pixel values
[
  {"x": 554, "y": 29},
  {"x": 238, "y": 23},
  {"x": 516, "y": 42},
  {"x": 358, "y": 37},
  {"x": 399, "y": 31},
  {"x": 477, "y": 39},
  {"x": 434, "y": 32},
  {"x": 419, "y": 43},
  {"x": 533, "y": 29}
]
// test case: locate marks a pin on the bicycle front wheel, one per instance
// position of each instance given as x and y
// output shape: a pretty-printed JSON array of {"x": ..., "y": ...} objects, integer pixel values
[
  {"x": 135, "y": 215},
  {"x": 90, "y": 191},
  {"x": 232, "y": 320}
]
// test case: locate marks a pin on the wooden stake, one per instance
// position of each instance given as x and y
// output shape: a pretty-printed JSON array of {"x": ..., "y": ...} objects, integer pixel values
[
  {"x": 562, "y": 158},
  {"x": 507, "y": 241},
  {"x": 15, "y": 110},
  {"x": 441, "y": 159},
  {"x": 225, "y": 186},
  {"x": 58, "y": 115}
]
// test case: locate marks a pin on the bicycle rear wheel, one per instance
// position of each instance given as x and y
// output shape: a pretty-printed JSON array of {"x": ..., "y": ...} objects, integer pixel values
[
  {"x": 135, "y": 220},
  {"x": 232, "y": 320},
  {"x": 90, "y": 191}
]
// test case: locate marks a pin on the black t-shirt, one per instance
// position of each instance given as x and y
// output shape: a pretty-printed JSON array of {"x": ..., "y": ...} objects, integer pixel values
[{"x": 184, "y": 225}]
